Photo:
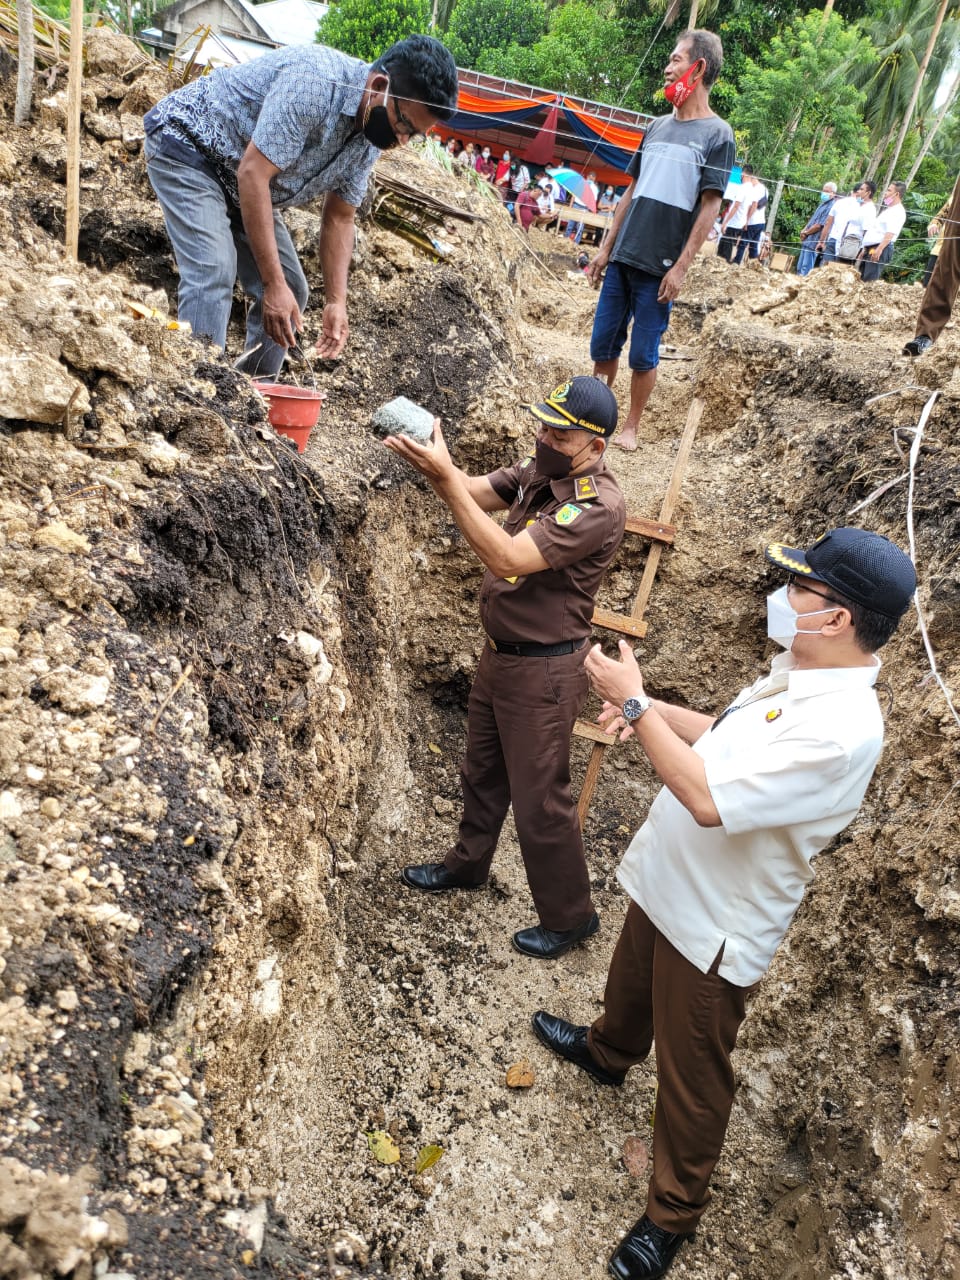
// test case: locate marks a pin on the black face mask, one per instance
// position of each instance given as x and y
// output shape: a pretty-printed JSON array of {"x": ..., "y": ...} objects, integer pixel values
[
  {"x": 552, "y": 464},
  {"x": 378, "y": 129}
]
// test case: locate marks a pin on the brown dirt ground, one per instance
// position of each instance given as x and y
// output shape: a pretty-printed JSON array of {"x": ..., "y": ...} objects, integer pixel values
[{"x": 233, "y": 684}]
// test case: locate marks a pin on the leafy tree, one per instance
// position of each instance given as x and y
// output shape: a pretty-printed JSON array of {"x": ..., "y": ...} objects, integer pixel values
[
  {"x": 582, "y": 53},
  {"x": 365, "y": 28},
  {"x": 480, "y": 25},
  {"x": 803, "y": 116}
]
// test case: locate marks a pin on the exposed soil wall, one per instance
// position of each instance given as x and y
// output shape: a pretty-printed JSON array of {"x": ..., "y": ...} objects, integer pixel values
[{"x": 233, "y": 693}]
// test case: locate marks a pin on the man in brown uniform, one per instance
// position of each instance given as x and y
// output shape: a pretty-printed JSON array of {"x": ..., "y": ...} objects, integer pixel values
[
  {"x": 565, "y": 522},
  {"x": 942, "y": 287}
]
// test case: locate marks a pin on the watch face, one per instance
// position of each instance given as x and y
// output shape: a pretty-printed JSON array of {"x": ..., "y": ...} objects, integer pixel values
[{"x": 634, "y": 708}]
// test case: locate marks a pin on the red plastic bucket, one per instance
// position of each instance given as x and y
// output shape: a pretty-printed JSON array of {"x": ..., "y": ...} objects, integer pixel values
[{"x": 292, "y": 411}]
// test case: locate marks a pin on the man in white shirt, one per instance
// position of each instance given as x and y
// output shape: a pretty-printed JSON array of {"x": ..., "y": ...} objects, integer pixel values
[
  {"x": 881, "y": 234},
  {"x": 733, "y": 220},
  {"x": 718, "y": 869},
  {"x": 849, "y": 216},
  {"x": 755, "y": 196}
]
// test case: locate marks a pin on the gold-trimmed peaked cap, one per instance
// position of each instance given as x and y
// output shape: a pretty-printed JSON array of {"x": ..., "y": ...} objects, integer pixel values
[
  {"x": 580, "y": 404},
  {"x": 864, "y": 567}
]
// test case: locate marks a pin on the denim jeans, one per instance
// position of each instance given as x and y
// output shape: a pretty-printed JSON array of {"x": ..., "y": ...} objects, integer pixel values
[
  {"x": 749, "y": 239},
  {"x": 806, "y": 261},
  {"x": 212, "y": 251},
  {"x": 629, "y": 294}
]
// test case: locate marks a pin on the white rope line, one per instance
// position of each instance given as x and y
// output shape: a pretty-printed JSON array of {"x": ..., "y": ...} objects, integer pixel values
[{"x": 914, "y": 455}]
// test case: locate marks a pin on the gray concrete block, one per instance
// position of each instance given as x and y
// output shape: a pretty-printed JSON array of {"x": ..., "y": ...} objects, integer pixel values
[{"x": 402, "y": 417}]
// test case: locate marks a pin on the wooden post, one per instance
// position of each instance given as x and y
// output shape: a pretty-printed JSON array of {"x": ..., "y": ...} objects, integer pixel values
[
  {"x": 602, "y": 740},
  {"x": 74, "y": 86}
]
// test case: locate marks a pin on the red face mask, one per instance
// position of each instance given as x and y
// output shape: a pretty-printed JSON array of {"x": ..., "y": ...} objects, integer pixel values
[{"x": 678, "y": 92}]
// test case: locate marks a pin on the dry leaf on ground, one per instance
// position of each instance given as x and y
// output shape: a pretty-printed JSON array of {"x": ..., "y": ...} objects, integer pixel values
[
  {"x": 428, "y": 1156},
  {"x": 520, "y": 1075},
  {"x": 383, "y": 1147}
]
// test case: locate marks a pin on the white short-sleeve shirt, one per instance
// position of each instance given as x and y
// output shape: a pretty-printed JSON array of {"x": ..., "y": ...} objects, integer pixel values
[
  {"x": 890, "y": 219},
  {"x": 786, "y": 773}
]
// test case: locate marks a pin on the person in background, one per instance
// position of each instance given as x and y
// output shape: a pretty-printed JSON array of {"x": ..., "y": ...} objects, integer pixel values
[
  {"x": 575, "y": 229},
  {"x": 755, "y": 197},
  {"x": 486, "y": 166},
  {"x": 717, "y": 871},
  {"x": 501, "y": 177},
  {"x": 880, "y": 235},
  {"x": 526, "y": 205},
  {"x": 677, "y": 178},
  {"x": 521, "y": 176},
  {"x": 810, "y": 235},
  {"x": 467, "y": 157},
  {"x": 732, "y": 220},
  {"x": 848, "y": 217}
]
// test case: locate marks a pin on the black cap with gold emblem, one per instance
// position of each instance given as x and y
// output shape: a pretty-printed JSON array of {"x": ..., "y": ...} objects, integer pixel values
[
  {"x": 866, "y": 568},
  {"x": 582, "y": 404}
]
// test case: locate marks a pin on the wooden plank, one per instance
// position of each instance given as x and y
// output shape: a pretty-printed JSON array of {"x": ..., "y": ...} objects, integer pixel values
[
  {"x": 620, "y": 621},
  {"x": 694, "y": 414},
  {"x": 590, "y": 779},
  {"x": 656, "y": 530},
  {"x": 74, "y": 86},
  {"x": 587, "y": 729}
]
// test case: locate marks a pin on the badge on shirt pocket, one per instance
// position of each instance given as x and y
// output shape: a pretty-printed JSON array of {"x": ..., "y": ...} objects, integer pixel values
[
  {"x": 775, "y": 714},
  {"x": 568, "y": 513}
]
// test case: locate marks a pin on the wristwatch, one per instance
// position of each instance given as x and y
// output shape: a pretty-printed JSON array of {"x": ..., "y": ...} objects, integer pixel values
[{"x": 634, "y": 708}]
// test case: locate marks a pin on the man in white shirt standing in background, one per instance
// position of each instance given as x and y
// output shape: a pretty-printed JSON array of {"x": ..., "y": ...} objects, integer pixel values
[
  {"x": 755, "y": 198},
  {"x": 881, "y": 234},
  {"x": 718, "y": 869},
  {"x": 850, "y": 215}
]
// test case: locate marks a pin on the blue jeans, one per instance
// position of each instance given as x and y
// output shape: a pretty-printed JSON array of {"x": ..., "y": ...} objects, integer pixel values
[
  {"x": 212, "y": 252},
  {"x": 629, "y": 294},
  {"x": 749, "y": 239},
  {"x": 806, "y": 261}
]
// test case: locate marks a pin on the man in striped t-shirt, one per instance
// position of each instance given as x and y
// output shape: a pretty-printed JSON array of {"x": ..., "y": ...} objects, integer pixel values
[{"x": 677, "y": 178}]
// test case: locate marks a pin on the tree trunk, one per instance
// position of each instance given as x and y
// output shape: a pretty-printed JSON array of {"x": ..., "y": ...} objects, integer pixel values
[
  {"x": 24, "y": 103},
  {"x": 908, "y": 114},
  {"x": 827, "y": 9},
  {"x": 876, "y": 155},
  {"x": 694, "y": 6},
  {"x": 932, "y": 131}
]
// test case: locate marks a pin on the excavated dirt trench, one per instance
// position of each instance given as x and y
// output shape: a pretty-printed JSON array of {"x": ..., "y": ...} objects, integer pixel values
[{"x": 233, "y": 692}]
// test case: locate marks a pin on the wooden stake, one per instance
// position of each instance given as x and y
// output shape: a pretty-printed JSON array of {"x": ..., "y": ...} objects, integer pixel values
[
  {"x": 634, "y": 623},
  {"x": 74, "y": 87}
]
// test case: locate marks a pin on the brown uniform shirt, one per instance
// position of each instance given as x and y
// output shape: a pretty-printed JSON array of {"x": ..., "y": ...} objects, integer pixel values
[{"x": 577, "y": 524}]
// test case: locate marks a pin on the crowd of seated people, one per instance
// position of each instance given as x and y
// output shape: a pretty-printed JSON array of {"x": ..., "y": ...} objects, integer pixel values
[{"x": 532, "y": 199}]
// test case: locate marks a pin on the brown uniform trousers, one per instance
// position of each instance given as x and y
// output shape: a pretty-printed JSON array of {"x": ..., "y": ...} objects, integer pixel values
[
  {"x": 654, "y": 993},
  {"x": 941, "y": 291},
  {"x": 519, "y": 721}
]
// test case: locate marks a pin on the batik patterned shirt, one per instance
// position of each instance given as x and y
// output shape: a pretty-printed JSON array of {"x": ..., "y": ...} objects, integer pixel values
[{"x": 298, "y": 107}]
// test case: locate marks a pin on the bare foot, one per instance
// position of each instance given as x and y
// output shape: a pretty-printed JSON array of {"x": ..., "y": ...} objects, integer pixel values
[{"x": 627, "y": 440}]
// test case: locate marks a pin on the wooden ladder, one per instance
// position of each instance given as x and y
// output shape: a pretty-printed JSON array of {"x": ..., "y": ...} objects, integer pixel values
[{"x": 661, "y": 534}]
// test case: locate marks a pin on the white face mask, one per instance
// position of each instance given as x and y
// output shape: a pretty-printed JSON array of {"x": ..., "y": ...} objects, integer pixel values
[{"x": 782, "y": 619}]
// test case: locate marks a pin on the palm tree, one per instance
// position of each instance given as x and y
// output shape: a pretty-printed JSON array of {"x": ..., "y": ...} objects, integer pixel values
[
  {"x": 894, "y": 81},
  {"x": 918, "y": 85},
  {"x": 934, "y": 129}
]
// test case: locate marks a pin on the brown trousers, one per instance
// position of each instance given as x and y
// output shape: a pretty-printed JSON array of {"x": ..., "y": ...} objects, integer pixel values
[
  {"x": 519, "y": 720},
  {"x": 654, "y": 993},
  {"x": 941, "y": 291}
]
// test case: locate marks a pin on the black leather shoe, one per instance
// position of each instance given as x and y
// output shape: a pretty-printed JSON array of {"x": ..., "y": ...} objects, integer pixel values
[
  {"x": 547, "y": 944},
  {"x": 570, "y": 1042},
  {"x": 645, "y": 1252},
  {"x": 917, "y": 346},
  {"x": 434, "y": 877}
]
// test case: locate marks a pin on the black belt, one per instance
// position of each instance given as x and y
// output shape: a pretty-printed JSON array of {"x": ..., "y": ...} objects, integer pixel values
[{"x": 535, "y": 650}]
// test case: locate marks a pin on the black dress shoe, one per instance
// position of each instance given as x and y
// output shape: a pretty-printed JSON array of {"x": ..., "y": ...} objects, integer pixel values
[
  {"x": 645, "y": 1252},
  {"x": 917, "y": 346},
  {"x": 547, "y": 944},
  {"x": 434, "y": 877},
  {"x": 570, "y": 1042}
]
